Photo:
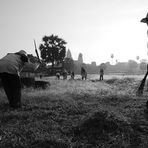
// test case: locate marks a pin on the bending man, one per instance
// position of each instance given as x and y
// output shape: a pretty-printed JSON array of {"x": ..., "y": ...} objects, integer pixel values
[{"x": 10, "y": 68}]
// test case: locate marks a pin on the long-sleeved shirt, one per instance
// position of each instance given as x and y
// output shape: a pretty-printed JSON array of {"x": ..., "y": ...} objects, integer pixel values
[{"x": 13, "y": 64}]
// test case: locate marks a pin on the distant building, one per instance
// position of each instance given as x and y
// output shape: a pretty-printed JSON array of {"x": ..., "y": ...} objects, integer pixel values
[
  {"x": 93, "y": 63},
  {"x": 69, "y": 54},
  {"x": 80, "y": 58}
]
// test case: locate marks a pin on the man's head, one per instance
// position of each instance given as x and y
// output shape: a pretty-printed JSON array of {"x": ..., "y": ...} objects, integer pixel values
[
  {"x": 23, "y": 55},
  {"x": 22, "y": 52}
]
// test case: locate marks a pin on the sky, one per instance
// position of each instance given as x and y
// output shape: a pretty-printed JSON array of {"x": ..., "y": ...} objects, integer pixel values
[{"x": 95, "y": 28}]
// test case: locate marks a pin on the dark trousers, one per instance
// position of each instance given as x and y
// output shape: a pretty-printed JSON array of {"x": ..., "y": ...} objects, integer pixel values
[
  {"x": 101, "y": 77},
  {"x": 12, "y": 87}
]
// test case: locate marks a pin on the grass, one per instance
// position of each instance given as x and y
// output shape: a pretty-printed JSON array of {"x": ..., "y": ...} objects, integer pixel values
[{"x": 77, "y": 114}]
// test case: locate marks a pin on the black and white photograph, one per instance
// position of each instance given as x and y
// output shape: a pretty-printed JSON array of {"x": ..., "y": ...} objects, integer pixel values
[{"x": 73, "y": 73}]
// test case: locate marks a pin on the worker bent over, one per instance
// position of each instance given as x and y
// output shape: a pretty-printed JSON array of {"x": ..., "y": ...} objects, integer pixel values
[{"x": 10, "y": 68}]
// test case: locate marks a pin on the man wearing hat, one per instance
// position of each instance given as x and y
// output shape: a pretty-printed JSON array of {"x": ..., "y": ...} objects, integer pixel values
[
  {"x": 10, "y": 67},
  {"x": 83, "y": 73},
  {"x": 145, "y": 20}
]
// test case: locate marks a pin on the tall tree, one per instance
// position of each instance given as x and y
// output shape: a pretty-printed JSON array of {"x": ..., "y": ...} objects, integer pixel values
[{"x": 53, "y": 49}]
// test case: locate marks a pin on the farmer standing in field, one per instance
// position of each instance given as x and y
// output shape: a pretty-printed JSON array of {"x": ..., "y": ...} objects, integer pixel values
[
  {"x": 10, "y": 68},
  {"x": 101, "y": 74},
  {"x": 83, "y": 73},
  {"x": 72, "y": 75},
  {"x": 65, "y": 74}
]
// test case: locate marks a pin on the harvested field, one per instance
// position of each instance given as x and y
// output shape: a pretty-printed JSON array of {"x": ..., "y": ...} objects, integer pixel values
[{"x": 77, "y": 114}]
